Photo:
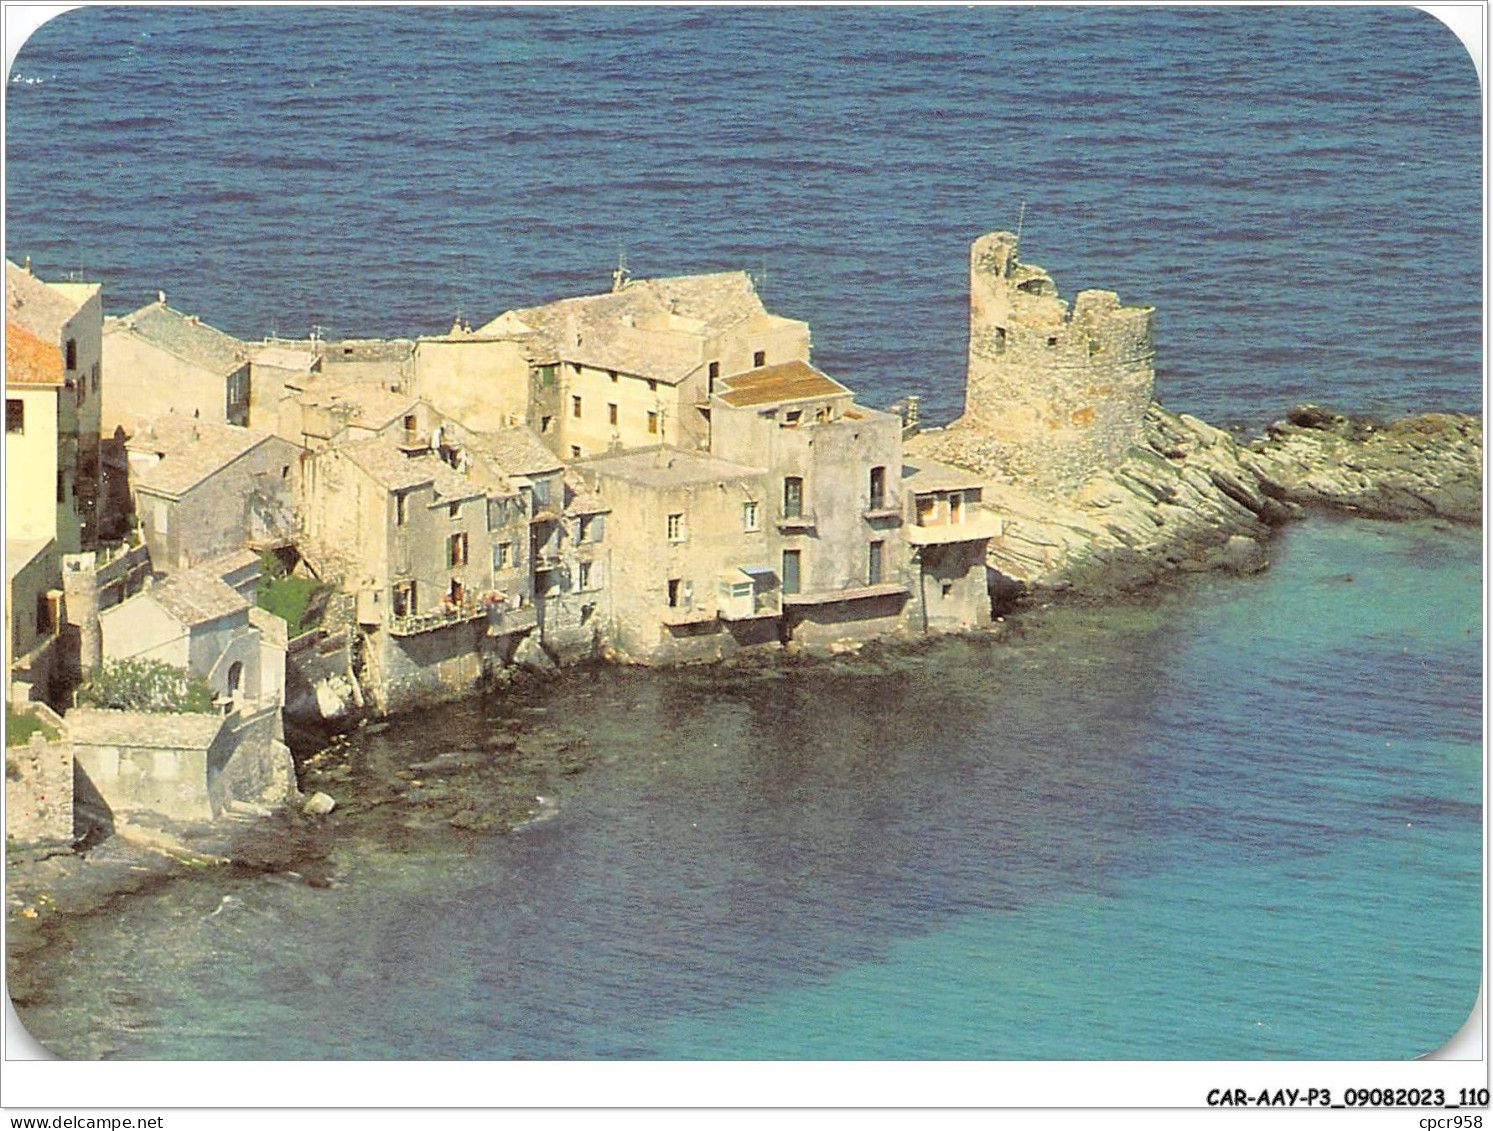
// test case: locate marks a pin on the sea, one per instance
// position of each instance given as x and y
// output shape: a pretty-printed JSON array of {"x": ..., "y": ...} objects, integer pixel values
[{"x": 1238, "y": 818}]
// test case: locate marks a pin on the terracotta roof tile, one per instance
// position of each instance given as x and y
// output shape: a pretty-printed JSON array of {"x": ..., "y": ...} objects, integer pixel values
[
  {"x": 29, "y": 360},
  {"x": 772, "y": 384}
]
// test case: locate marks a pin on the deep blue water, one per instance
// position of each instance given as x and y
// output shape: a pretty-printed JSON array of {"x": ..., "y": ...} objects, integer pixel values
[
  {"x": 1296, "y": 190},
  {"x": 1242, "y": 820}
]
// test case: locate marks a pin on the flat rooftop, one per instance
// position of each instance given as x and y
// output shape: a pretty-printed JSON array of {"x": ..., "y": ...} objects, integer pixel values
[{"x": 667, "y": 467}]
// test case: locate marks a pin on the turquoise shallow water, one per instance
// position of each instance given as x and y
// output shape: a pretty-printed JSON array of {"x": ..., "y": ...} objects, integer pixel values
[{"x": 1242, "y": 820}]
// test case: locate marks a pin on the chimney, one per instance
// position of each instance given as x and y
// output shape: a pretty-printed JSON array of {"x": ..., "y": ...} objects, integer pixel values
[{"x": 161, "y": 297}]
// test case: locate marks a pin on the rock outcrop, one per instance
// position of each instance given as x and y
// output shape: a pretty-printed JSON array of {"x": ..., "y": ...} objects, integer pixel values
[{"x": 1192, "y": 497}]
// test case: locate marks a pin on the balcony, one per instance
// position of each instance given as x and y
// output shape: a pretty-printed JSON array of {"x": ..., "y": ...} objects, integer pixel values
[
  {"x": 853, "y": 593},
  {"x": 679, "y": 618},
  {"x": 443, "y": 617},
  {"x": 883, "y": 509},
  {"x": 978, "y": 526},
  {"x": 803, "y": 520}
]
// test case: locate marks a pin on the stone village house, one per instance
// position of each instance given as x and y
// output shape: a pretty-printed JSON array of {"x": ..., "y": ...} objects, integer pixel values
[
  {"x": 630, "y": 368},
  {"x": 203, "y": 489},
  {"x": 160, "y": 360}
]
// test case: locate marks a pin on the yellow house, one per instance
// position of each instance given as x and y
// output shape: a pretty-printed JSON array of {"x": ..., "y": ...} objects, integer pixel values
[
  {"x": 61, "y": 353},
  {"x": 38, "y": 504}
]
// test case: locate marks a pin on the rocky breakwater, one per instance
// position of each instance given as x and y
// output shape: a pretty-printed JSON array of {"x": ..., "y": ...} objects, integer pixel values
[{"x": 1190, "y": 497}]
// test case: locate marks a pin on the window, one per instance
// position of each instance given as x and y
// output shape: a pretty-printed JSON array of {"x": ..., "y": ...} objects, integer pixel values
[
  {"x": 927, "y": 510},
  {"x": 612, "y": 415},
  {"x": 541, "y": 489},
  {"x": 72, "y": 354},
  {"x": 547, "y": 376},
  {"x": 401, "y": 509},
  {"x": 956, "y": 507},
  {"x": 674, "y": 584},
  {"x": 456, "y": 550},
  {"x": 235, "y": 677},
  {"x": 793, "y": 497},
  {"x": 575, "y": 451},
  {"x": 715, "y": 372},
  {"x": 791, "y": 566},
  {"x": 15, "y": 416},
  {"x": 653, "y": 424},
  {"x": 675, "y": 527},
  {"x": 44, "y": 624},
  {"x": 456, "y": 595},
  {"x": 502, "y": 555},
  {"x": 454, "y": 510},
  {"x": 411, "y": 424},
  {"x": 545, "y": 423},
  {"x": 750, "y": 519},
  {"x": 873, "y": 563},
  {"x": 575, "y": 407},
  {"x": 589, "y": 528},
  {"x": 878, "y": 488},
  {"x": 405, "y": 604},
  {"x": 792, "y": 417},
  {"x": 583, "y": 575},
  {"x": 497, "y": 513},
  {"x": 612, "y": 373},
  {"x": 1052, "y": 341},
  {"x": 285, "y": 471},
  {"x": 759, "y": 359}
]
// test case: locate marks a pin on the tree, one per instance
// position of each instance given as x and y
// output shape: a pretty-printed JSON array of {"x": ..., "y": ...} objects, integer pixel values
[{"x": 146, "y": 685}]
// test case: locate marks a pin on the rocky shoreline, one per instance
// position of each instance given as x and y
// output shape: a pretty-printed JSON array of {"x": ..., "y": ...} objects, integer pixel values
[{"x": 1193, "y": 497}]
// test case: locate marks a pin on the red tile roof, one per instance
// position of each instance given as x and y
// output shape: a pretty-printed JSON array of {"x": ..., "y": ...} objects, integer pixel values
[{"x": 29, "y": 360}]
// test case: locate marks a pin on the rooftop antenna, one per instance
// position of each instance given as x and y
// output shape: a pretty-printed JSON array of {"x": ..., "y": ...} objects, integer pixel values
[
  {"x": 761, "y": 279},
  {"x": 1020, "y": 219},
  {"x": 317, "y": 330},
  {"x": 619, "y": 276}
]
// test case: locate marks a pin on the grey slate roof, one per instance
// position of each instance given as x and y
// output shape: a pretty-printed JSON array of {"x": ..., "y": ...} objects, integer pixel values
[
  {"x": 33, "y": 305},
  {"x": 392, "y": 469},
  {"x": 191, "y": 450},
  {"x": 517, "y": 450},
  {"x": 632, "y": 331},
  {"x": 184, "y": 336},
  {"x": 197, "y": 596},
  {"x": 91, "y": 726}
]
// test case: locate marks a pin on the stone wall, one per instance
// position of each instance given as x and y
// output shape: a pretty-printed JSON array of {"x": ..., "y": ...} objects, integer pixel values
[
  {"x": 1059, "y": 393},
  {"x": 39, "y": 787},
  {"x": 249, "y": 763},
  {"x": 403, "y": 672}
]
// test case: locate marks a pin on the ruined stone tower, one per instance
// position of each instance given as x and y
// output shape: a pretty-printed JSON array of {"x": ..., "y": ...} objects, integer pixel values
[{"x": 1059, "y": 391}]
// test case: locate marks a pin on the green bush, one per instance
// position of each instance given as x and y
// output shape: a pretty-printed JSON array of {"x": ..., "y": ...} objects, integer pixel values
[
  {"x": 291, "y": 599},
  {"x": 146, "y": 685}
]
